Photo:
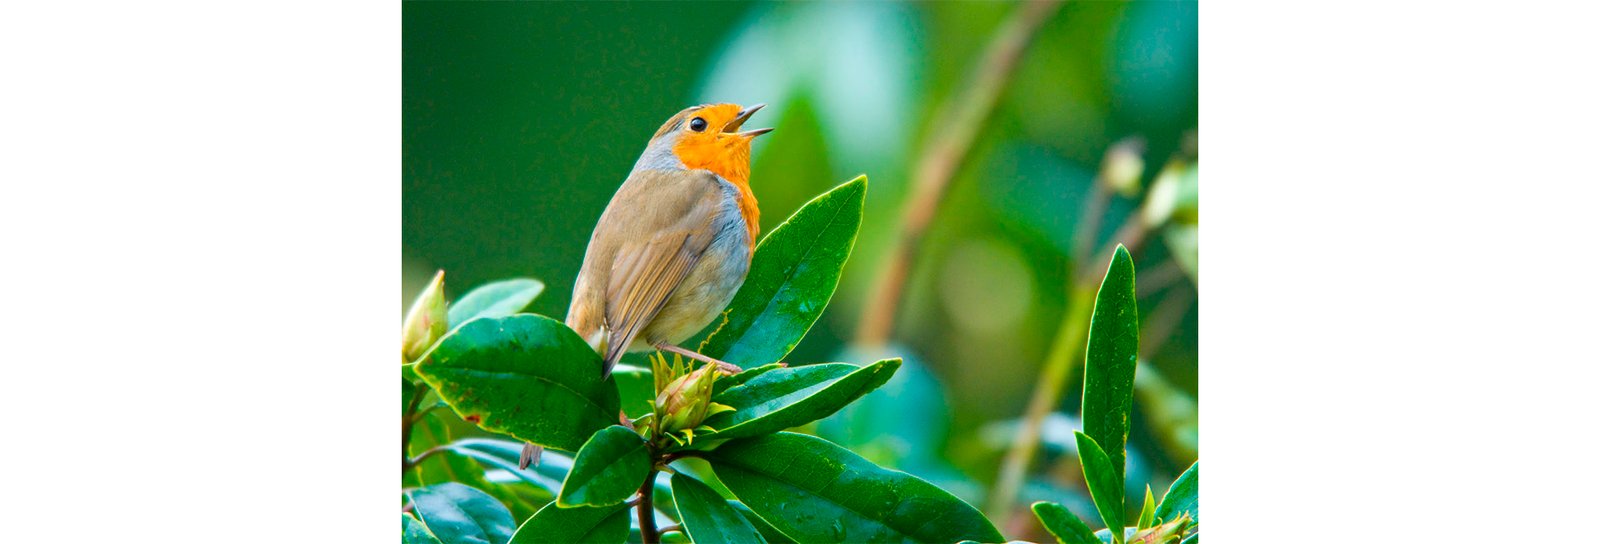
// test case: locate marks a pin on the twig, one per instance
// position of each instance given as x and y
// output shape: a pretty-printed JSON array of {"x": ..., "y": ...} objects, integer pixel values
[
  {"x": 647, "y": 512},
  {"x": 408, "y": 420},
  {"x": 414, "y": 461},
  {"x": 1159, "y": 278},
  {"x": 1157, "y": 327},
  {"x": 951, "y": 142},
  {"x": 1068, "y": 345}
]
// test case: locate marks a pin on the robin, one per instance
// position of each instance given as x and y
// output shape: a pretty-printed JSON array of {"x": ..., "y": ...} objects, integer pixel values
[{"x": 674, "y": 244}]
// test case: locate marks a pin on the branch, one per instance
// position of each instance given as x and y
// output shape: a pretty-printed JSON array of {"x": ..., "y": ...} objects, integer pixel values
[
  {"x": 952, "y": 139},
  {"x": 1065, "y": 351},
  {"x": 408, "y": 420},
  {"x": 647, "y": 513},
  {"x": 414, "y": 461}
]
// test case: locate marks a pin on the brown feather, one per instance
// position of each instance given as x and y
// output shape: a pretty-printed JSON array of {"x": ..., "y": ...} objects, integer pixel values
[{"x": 641, "y": 252}]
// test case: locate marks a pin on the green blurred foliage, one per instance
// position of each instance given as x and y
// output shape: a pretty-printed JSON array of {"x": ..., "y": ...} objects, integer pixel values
[{"x": 521, "y": 119}]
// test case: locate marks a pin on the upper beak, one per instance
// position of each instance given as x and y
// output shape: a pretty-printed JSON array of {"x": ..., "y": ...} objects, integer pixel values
[{"x": 738, "y": 120}]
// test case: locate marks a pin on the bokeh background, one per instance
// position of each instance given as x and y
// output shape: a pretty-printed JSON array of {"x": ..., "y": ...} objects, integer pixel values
[{"x": 521, "y": 119}]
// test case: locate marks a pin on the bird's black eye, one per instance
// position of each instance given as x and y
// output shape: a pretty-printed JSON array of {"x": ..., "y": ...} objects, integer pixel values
[{"x": 697, "y": 124}]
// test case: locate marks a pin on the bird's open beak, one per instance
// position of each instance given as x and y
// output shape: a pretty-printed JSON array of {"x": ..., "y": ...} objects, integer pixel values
[{"x": 738, "y": 121}]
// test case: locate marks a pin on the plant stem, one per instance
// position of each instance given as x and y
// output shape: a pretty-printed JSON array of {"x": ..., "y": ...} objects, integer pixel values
[
  {"x": 414, "y": 461},
  {"x": 646, "y": 509},
  {"x": 407, "y": 420},
  {"x": 951, "y": 141}
]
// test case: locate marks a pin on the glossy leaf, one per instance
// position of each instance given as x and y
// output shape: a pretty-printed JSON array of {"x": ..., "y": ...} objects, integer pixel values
[
  {"x": 551, "y": 470},
  {"x": 459, "y": 514},
  {"x": 792, "y": 276},
  {"x": 788, "y": 397},
  {"x": 727, "y": 382},
  {"x": 610, "y": 468},
  {"x": 1182, "y": 497},
  {"x": 431, "y": 431},
  {"x": 503, "y": 454},
  {"x": 1113, "y": 353},
  {"x": 1147, "y": 513},
  {"x": 496, "y": 299},
  {"x": 412, "y": 531},
  {"x": 584, "y": 524},
  {"x": 1105, "y": 485},
  {"x": 771, "y": 534},
  {"x": 815, "y": 491},
  {"x": 708, "y": 517},
  {"x": 1105, "y": 535},
  {"x": 875, "y": 425},
  {"x": 525, "y": 375},
  {"x": 1066, "y": 527},
  {"x": 408, "y": 392},
  {"x": 452, "y": 465}
]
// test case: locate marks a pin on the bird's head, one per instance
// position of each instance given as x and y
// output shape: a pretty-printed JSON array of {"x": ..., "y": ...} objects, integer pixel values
[{"x": 707, "y": 137}]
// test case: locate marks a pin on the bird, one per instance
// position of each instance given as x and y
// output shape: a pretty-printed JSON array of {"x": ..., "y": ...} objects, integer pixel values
[{"x": 674, "y": 244}]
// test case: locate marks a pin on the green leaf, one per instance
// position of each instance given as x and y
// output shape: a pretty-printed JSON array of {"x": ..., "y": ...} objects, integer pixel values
[
  {"x": 1105, "y": 535},
  {"x": 792, "y": 276},
  {"x": 815, "y": 491},
  {"x": 413, "y": 531},
  {"x": 452, "y": 466},
  {"x": 551, "y": 470},
  {"x": 525, "y": 375},
  {"x": 432, "y": 431},
  {"x": 875, "y": 425},
  {"x": 1113, "y": 353},
  {"x": 584, "y": 524},
  {"x": 727, "y": 382},
  {"x": 768, "y": 532},
  {"x": 459, "y": 514},
  {"x": 788, "y": 397},
  {"x": 1183, "y": 496},
  {"x": 547, "y": 475},
  {"x": 408, "y": 392},
  {"x": 707, "y": 517},
  {"x": 1147, "y": 513},
  {"x": 1061, "y": 523},
  {"x": 496, "y": 299},
  {"x": 610, "y": 468},
  {"x": 1105, "y": 485},
  {"x": 637, "y": 386}
]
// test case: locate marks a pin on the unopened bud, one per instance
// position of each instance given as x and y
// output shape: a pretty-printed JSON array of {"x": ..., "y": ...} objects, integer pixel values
[
  {"x": 426, "y": 321},
  {"x": 687, "y": 400},
  {"x": 1169, "y": 532},
  {"x": 1123, "y": 165},
  {"x": 1174, "y": 196}
]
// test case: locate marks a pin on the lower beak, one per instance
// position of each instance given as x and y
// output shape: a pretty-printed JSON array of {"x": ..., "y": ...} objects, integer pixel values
[{"x": 738, "y": 121}]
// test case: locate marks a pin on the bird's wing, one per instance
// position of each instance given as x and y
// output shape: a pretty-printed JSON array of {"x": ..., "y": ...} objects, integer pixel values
[{"x": 657, "y": 247}]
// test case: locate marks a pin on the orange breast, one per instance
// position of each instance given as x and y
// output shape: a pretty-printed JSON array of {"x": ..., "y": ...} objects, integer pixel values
[{"x": 729, "y": 158}]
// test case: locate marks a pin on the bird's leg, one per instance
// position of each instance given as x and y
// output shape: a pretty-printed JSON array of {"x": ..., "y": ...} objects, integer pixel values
[
  {"x": 530, "y": 455},
  {"x": 722, "y": 366}
]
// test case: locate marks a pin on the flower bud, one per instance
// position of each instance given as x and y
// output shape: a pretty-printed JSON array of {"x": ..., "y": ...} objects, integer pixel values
[
  {"x": 1167, "y": 533},
  {"x": 687, "y": 400},
  {"x": 426, "y": 321},
  {"x": 1174, "y": 196},
  {"x": 1123, "y": 165}
]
